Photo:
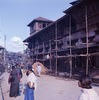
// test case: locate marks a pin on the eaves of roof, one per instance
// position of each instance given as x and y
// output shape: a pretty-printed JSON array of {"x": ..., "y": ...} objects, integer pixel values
[
  {"x": 46, "y": 27},
  {"x": 72, "y": 7}
]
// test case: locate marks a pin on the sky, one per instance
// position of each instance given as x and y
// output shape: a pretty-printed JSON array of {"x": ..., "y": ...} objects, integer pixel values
[{"x": 15, "y": 15}]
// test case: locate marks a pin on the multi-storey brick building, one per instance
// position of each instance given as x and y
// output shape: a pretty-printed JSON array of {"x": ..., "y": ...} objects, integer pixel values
[{"x": 69, "y": 44}]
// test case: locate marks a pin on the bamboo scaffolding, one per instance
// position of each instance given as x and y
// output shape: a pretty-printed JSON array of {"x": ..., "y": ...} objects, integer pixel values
[
  {"x": 50, "y": 57},
  {"x": 70, "y": 46},
  {"x": 32, "y": 55},
  {"x": 43, "y": 52},
  {"x": 37, "y": 53},
  {"x": 56, "y": 47},
  {"x": 70, "y": 55},
  {"x": 86, "y": 19}
]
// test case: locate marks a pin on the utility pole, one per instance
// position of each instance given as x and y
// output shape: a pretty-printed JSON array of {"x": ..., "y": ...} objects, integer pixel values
[{"x": 4, "y": 50}]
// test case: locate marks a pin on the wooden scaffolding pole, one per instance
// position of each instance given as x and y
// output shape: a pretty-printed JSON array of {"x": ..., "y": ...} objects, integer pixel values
[
  {"x": 32, "y": 54},
  {"x": 37, "y": 54},
  {"x": 87, "y": 53},
  {"x": 43, "y": 52},
  {"x": 70, "y": 46},
  {"x": 50, "y": 58},
  {"x": 56, "y": 47}
]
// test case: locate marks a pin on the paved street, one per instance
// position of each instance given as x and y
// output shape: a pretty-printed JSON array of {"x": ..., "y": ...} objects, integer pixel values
[{"x": 48, "y": 88}]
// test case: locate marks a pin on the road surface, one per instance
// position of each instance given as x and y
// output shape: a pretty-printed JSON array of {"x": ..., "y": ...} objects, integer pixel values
[{"x": 48, "y": 88}]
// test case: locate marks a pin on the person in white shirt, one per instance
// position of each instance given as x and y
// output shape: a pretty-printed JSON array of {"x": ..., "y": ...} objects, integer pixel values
[
  {"x": 30, "y": 85},
  {"x": 87, "y": 92},
  {"x": 39, "y": 69}
]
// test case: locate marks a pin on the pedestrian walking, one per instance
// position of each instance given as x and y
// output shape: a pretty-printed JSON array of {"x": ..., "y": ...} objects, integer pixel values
[
  {"x": 19, "y": 70},
  {"x": 18, "y": 67},
  {"x": 87, "y": 92},
  {"x": 30, "y": 85},
  {"x": 39, "y": 69},
  {"x": 14, "y": 82},
  {"x": 9, "y": 67}
]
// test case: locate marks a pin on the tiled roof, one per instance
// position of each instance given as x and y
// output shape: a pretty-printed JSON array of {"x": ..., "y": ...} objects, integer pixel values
[
  {"x": 74, "y": 4},
  {"x": 45, "y": 28},
  {"x": 40, "y": 19}
]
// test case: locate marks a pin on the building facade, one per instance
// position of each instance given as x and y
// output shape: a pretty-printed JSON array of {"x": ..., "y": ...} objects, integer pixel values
[{"x": 69, "y": 44}]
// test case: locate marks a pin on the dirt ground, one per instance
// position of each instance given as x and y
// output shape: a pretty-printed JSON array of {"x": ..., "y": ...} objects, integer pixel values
[{"x": 48, "y": 88}]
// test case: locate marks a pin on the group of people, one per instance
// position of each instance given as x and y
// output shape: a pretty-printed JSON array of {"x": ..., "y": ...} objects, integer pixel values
[
  {"x": 14, "y": 80},
  {"x": 87, "y": 92}
]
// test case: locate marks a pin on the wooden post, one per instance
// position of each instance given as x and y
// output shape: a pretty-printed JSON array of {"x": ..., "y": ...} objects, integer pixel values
[
  {"x": 56, "y": 46},
  {"x": 43, "y": 53},
  {"x": 32, "y": 54},
  {"x": 37, "y": 54},
  {"x": 86, "y": 19},
  {"x": 50, "y": 58},
  {"x": 70, "y": 46}
]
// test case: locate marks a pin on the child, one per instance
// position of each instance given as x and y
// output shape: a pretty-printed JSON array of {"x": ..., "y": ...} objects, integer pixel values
[
  {"x": 39, "y": 69},
  {"x": 88, "y": 93}
]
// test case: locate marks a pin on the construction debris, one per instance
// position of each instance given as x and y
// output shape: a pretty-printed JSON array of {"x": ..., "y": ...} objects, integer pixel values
[{"x": 44, "y": 69}]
